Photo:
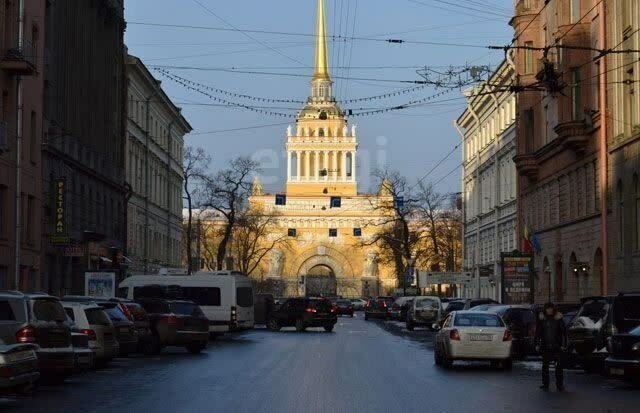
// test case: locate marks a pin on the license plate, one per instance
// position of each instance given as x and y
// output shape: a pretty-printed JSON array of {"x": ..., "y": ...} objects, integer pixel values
[
  {"x": 480, "y": 337},
  {"x": 616, "y": 372}
]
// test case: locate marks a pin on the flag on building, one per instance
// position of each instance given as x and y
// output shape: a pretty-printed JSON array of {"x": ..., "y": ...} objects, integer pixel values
[{"x": 531, "y": 242}]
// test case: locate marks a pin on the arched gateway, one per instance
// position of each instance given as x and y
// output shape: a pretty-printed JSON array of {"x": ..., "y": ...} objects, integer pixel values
[{"x": 321, "y": 281}]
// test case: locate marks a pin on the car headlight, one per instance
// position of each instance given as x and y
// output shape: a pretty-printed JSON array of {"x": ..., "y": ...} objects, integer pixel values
[
  {"x": 3, "y": 359},
  {"x": 636, "y": 347}
]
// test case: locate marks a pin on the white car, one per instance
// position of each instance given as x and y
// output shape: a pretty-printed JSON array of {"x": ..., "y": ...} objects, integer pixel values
[{"x": 473, "y": 335}]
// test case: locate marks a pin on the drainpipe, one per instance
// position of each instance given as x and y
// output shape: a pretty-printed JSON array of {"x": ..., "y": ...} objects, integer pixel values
[
  {"x": 19, "y": 104},
  {"x": 464, "y": 193},
  {"x": 603, "y": 154},
  {"x": 168, "y": 153}
]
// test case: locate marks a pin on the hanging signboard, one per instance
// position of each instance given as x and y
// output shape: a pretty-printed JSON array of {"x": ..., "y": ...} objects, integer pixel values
[
  {"x": 59, "y": 235},
  {"x": 517, "y": 278},
  {"x": 430, "y": 278}
]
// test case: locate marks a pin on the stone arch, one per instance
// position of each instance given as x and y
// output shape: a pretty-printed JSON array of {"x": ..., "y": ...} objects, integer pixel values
[{"x": 323, "y": 255}]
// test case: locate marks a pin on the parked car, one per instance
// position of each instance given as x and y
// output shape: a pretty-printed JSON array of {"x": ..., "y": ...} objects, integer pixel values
[
  {"x": 521, "y": 321},
  {"x": 624, "y": 356},
  {"x": 176, "y": 323},
  {"x": 453, "y": 305},
  {"x": 344, "y": 307},
  {"x": 599, "y": 318},
  {"x": 263, "y": 306},
  {"x": 18, "y": 367},
  {"x": 303, "y": 313},
  {"x": 124, "y": 328},
  {"x": 483, "y": 307},
  {"x": 471, "y": 303},
  {"x": 377, "y": 308},
  {"x": 424, "y": 311},
  {"x": 398, "y": 310},
  {"x": 39, "y": 319},
  {"x": 358, "y": 304},
  {"x": 92, "y": 320},
  {"x": 140, "y": 320},
  {"x": 473, "y": 335}
]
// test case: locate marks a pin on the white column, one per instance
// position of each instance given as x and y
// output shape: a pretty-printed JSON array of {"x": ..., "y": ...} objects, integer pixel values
[
  {"x": 353, "y": 166},
  {"x": 307, "y": 165},
  {"x": 344, "y": 166},
  {"x": 316, "y": 165},
  {"x": 325, "y": 164},
  {"x": 298, "y": 165},
  {"x": 334, "y": 165},
  {"x": 288, "y": 165}
]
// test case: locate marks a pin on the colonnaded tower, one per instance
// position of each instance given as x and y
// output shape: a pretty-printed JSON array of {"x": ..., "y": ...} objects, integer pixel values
[{"x": 328, "y": 223}]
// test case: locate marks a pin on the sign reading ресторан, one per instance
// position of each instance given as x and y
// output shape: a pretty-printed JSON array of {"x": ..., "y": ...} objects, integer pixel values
[
  {"x": 430, "y": 278},
  {"x": 517, "y": 278},
  {"x": 59, "y": 236}
]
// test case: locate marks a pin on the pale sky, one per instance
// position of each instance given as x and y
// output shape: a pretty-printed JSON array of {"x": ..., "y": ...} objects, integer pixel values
[{"x": 412, "y": 141}]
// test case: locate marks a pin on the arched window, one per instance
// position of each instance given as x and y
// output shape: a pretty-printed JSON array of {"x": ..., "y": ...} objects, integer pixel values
[
  {"x": 321, "y": 132},
  {"x": 620, "y": 194}
]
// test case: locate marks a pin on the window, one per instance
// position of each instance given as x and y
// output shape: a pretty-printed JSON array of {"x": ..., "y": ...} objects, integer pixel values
[
  {"x": 4, "y": 211},
  {"x": 357, "y": 232},
  {"x": 281, "y": 200},
  {"x": 528, "y": 58},
  {"x": 244, "y": 296},
  {"x": 205, "y": 296},
  {"x": 97, "y": 316},
  {"x": 636, "y": 214},
  {"x": 292, "y": 232},
  {"x": 6, "y": 312},
  {"x": 30, "y": 219},
  {"x": 333, "y": 232},
  {"x": 620, "y": 216},
  {"x": 529, "y": 119},
  {"x": 185, "y": 308},
  {"x": 576, "y": 95},
  {"x": 33, "y": 138},
  {"x": 48, "y": 310},
  {"x": 574, "y": 11},
  {"x": 70, "y": 313},
  {"x": 336, "y": 202}
]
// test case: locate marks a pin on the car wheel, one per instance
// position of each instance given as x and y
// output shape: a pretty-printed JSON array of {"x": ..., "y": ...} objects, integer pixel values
[
  {"x": 366, "y": 316},
  {"x": 447, "y": 362},
  {"x": 196, "y": 348},
  {"x": 300, "y": 327},
  {"x": 436, "y": 357},
  {"x": 507, "y": 364},
  {"x": 495, "y": 364},
  {"x": 213, "y": 336},
  {"x": 351, "y": 315},
  {"x": 328, "y": 328},
  {"x": 273, "y": 325},
  {"x": 410, "y": 325}
]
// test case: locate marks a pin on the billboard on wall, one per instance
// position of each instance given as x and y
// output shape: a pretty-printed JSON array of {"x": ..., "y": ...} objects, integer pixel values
[
  {"x": 517, "y": 278},
  {"x": 100, "y": 284}
]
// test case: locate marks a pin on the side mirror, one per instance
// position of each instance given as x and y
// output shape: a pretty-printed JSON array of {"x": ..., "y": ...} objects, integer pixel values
[{"x": 436, "y": 327}]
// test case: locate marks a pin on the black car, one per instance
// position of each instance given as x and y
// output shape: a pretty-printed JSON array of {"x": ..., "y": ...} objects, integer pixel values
[
  {"x": 471, "y": 303},
  {"x": 624, "y": 359},
  {"x": 599, "y": 318},
  {"x": 451, "y": 306},
  {"x": 303, "y": 313},
  {"x": 378, "y": 308},
  {"x": 263, "y": 305},
  {"x": 522, "y": 321},
  {"x": 344, "y": 307}
]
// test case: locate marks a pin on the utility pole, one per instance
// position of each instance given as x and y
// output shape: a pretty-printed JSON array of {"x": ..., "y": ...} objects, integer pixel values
[{"x": 19, "y": 110}]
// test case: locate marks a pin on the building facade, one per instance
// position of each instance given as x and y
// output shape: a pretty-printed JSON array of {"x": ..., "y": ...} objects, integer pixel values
[
  {"x": 623, "y": 145},
  {"x": 21, "y": 84},
  {"x": 324, "y": 216},
  {"x": 83, "y": 143},
  {"x": 559, "y": 159},
  {"x": 153, "y": 160},
  {"x": 488, "y": 131}
]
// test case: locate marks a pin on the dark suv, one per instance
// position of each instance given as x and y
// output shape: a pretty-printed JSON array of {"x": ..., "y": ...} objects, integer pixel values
[
  {"x": 378, "y": 308},
  {"x": 39, "y": 319},
  {"x": 176, "y": 323},
  {"x": 302, "y": 313}
]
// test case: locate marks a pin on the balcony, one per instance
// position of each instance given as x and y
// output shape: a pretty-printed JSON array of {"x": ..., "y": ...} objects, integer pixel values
[
  {"x": 574, "y": 135},
  {"x": 20, "y": 61},
  {"x": 527, "y": 165}
]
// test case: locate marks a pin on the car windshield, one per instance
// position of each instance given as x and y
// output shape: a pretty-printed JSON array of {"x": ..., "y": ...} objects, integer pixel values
[
  {"x": 115, "y": 313},
  {"x": 455, "y": 306},
  {"x": 478, "y": 320},
  {"x": 185, "y": 308},
  {"x": 427, "y": 303},
  {"x": 626, "y": 313},
  {"x": 320, "y": 305},
  {"x": 48, "y": 310},
  {"x": 97, "y": 316},
  {"x": 344, "y": 303},
  {"x": 594, "y": 309},
  {"x": 635, "y": 331}
]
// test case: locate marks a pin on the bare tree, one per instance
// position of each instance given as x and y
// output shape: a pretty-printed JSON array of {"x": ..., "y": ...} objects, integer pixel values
[
  {"x": 254, "y": 237},
  {"x": 429, "y": 210},
  {"x": 227, "y": 193},
  {"x": 194, "y": 166}
]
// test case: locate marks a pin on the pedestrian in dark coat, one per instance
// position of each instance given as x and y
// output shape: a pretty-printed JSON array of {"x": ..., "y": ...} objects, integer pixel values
[{"x": 551, "y": 342}]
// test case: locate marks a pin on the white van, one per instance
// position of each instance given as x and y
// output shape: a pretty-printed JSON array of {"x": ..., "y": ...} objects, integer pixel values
[{"x": 226, "y": 298}]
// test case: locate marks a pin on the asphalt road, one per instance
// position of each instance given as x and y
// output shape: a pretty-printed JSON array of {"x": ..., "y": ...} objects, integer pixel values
[{"x": 360, "y": 367}]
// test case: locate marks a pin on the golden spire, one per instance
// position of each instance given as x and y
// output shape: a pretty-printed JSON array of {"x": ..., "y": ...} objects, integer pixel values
[{"x": 322, "y": 57}]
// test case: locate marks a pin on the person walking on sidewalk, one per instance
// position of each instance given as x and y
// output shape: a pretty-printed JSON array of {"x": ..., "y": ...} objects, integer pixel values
[{"x": 551, "y": 342}]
